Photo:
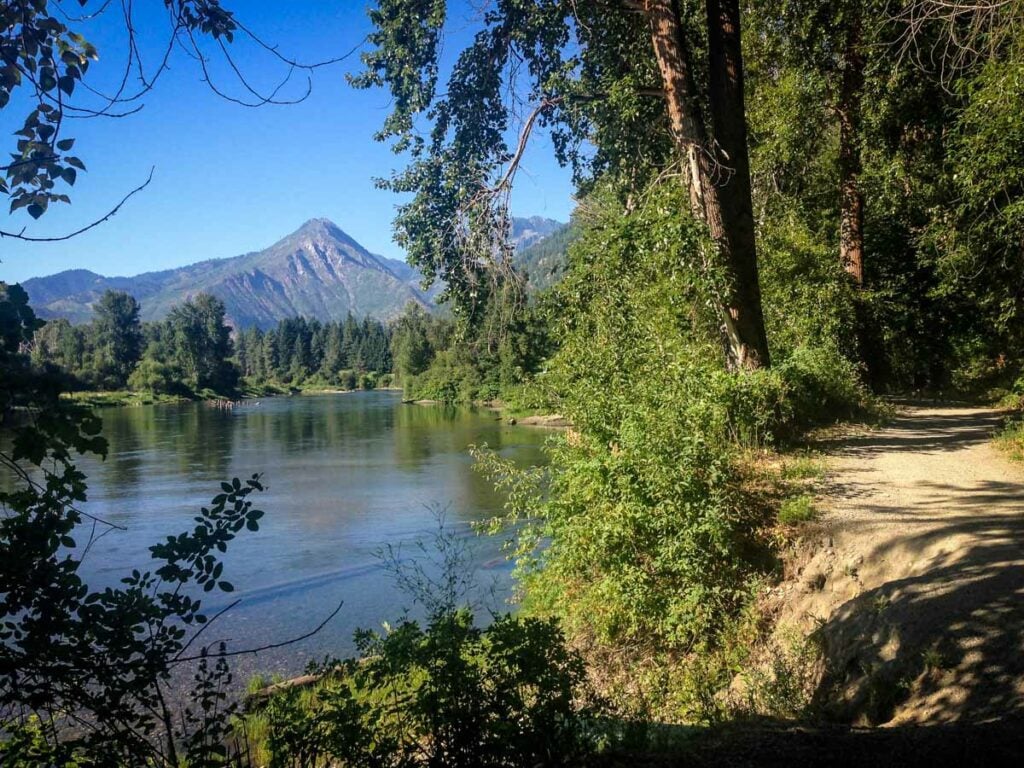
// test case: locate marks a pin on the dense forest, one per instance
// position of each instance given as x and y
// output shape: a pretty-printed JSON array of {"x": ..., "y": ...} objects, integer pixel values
[
  {"x": 194, "y": 351},
  {"x": 786, "y": 208}
]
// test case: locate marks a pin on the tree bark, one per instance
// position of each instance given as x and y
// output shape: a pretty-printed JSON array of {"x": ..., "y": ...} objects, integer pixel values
[
  {"x": 719, "y": 174},
  {"x": 851, "y": 202},
  {"x": 729, "y": 121}
]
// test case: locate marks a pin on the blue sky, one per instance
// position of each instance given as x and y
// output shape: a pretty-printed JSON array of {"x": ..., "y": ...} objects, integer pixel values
[{"x": 228, "y": 179}]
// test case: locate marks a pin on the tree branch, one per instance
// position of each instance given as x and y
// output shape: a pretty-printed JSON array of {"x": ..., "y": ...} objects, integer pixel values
[
  {"x": 262, "y": 648},
  {"x": 113, "y": 211}
]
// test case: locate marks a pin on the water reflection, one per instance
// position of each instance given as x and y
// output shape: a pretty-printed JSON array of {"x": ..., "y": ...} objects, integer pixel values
[{"x": 345, "y": 475}]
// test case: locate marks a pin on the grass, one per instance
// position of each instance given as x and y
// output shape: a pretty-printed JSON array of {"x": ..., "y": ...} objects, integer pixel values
[
  {"x": 1011, "y": 440},
  {"x": 797, "y": 509},
  {"x": 95, "y": 399},
  {"x": 803, "y": 466}
]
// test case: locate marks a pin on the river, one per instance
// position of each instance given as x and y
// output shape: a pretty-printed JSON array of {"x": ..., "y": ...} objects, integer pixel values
[{"x": 346, "y": 475}]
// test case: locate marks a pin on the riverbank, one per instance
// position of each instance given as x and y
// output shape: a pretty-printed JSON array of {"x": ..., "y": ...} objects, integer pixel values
[
  {"x": 505, "y": 413},
  {"x": 130, "y": 398}
]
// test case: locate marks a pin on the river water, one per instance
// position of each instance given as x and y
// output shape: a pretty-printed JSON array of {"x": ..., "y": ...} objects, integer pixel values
[{"x": 346, "y": 475}]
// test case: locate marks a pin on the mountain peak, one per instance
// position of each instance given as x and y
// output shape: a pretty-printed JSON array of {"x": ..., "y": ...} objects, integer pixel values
[
  {"x": 321, "y": 227},
  {"x": 318, "y": 271}
]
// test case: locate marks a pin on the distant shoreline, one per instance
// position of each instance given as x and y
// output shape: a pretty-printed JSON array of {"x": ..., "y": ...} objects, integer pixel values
[{"x": 130, "y": 399}]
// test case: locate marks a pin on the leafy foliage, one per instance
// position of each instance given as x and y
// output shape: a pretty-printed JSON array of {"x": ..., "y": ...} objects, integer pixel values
[
  {"x": 85, "y": 675},
  {"x": 641, "y": 535},
  {"x": 584, "y": 69},
  {"x": 444, "y": 692},
  {"x": 448, "y": 693},
  {"x": 41, "y": 53}
]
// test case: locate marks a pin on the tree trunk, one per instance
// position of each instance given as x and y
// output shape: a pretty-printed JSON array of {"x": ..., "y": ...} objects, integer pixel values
[
  {"x": 851, "y": 202},
  {"x": 719, "y": 174},
  {"x": 729, "y": 121}
]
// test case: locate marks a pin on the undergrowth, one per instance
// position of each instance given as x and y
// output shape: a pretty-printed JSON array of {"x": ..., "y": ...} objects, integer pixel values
[
  {"x": 652, "y": 530},
  {"x": 1011, "y": 439}
]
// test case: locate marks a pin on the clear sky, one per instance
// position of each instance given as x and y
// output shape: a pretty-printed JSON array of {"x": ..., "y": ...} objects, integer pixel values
[{"x": 229, "y": 179}]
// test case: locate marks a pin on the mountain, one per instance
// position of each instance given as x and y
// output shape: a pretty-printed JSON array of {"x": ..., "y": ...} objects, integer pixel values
[
  {"x": 532, "y": 230},
  {"x": 543, "y": 262},
  {"x": 318, "y": 271}
]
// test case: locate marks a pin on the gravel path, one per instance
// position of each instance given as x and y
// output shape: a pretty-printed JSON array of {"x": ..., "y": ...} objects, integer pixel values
[{"x": 918, "y": 581}]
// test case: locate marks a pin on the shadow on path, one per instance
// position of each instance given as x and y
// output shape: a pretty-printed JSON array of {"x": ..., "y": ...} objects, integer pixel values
[
  {"x": 917, "y": 432},
  {"x": 944, "y": 631}
]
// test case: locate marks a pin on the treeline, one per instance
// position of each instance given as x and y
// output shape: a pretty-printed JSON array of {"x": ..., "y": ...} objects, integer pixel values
[
  {"x": 437, "y": 358},
  {"x": 192, "y": 351},
  {"x": 350, "y": 354}
]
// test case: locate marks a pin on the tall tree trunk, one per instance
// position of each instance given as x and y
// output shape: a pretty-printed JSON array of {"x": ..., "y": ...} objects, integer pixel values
[
  {"x": 851, "y": 202},
  {"x": 729, "y": 122},
  {"x": 719, "y": 174}
]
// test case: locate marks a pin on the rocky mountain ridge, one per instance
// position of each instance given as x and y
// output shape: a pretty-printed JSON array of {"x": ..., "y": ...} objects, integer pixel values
[{"x": 318, "y": 271}]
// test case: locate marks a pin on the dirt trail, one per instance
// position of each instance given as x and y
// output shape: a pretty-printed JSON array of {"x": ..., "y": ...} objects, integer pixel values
[{"x": 917, "y": 582}]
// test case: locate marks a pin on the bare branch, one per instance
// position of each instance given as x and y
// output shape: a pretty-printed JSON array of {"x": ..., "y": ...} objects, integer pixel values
[
  {"x": 260, "y": 649},
  {"x": 951, "y": 36},
  {"x": 110, "y": 214}
]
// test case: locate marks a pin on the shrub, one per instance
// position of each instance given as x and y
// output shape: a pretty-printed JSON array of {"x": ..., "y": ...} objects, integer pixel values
[
  {"x": 451, "y": 378},
  {"x": 638, "y": 535},
  {"x": 821, "y": 386},
  {"x": 154, "y": 376},
  {"x": 347, "y": 379},
  {"x": 449, "y": 693},
  {"x": 797, "y": 509},
  {"x": 1011, "y": 439}
]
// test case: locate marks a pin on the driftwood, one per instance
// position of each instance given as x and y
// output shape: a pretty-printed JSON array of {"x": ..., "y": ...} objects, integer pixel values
[
  {"x": 302, "y": 681},
  {"x": 256, "y": 698}
]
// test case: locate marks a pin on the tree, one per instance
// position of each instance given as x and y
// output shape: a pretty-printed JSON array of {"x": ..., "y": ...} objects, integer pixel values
[
  {"x": 48, "y": 61},
  {"x": 62, "y": 344},
  {"x": 200, "y": 343},
  {"x": 410, "y": 346},
  {"x": 826, "y": 40},
  {"x": 848, "y": 108},
  {"x": 624, "y": 76},
  {"x": 117, "y": 335},
  {"x": 334, "y": 356}
]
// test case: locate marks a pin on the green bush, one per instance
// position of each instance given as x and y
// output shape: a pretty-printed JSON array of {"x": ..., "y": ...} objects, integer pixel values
[
  {"x": 154, "y": 376},
  {"x": 449, "y": 693},
  {"x": 798, "y": 509},
  {"x": 451, "y": 378},
  {"x": 638, "y": 535},
  {"x": 1011, "y": 439},
  {"x": 821, "y": 386}
]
